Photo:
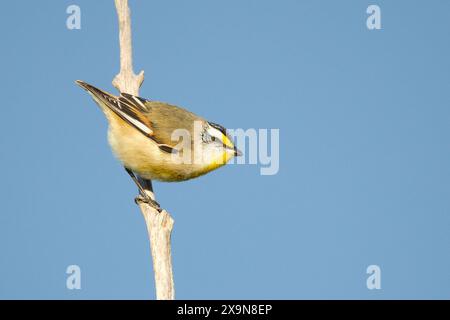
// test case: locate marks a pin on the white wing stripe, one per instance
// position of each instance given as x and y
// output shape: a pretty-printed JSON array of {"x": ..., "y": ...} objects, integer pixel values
[
  {"x": 139, "y": 102},
  {"x": 137, "y": 123}
]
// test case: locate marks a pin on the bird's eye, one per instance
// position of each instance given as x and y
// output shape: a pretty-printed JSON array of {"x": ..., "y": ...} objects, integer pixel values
[{"x": 213, "y": 138}]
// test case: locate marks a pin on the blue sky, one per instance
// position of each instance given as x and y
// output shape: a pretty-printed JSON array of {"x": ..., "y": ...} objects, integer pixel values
[{"x": 364, "y": 123}]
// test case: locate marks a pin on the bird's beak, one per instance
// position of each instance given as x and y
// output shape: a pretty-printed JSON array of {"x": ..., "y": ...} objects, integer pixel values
[
  {"x": 237, "y": 152},
  {"x": 231, "y": 147}
]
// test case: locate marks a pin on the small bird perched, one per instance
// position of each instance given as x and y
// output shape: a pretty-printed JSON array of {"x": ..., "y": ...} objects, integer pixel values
[{"x": 141, "y": 135}]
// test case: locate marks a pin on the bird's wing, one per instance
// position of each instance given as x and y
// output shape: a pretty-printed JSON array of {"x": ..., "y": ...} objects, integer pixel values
[
  {"x": 131, "y": 109},
  {"x": 140, "y": 111}
]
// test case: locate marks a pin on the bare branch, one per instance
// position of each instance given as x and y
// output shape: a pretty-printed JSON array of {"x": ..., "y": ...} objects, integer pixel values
[
  {"x": 126, "y": 81},
  {"x": 159, "y": 224}
]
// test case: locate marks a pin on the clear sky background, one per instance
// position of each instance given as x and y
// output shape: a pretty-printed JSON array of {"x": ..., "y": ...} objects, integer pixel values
[{"x": 364, "y": 119}]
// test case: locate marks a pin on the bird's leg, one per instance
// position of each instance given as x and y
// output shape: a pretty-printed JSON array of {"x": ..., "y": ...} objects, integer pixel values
[
  {"x": 136, "y": 181},
  {"x": 143, "y": 196}
]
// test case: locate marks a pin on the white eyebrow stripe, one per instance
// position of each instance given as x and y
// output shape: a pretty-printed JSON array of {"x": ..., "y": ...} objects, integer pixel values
[{"x": 214, "y": 132}]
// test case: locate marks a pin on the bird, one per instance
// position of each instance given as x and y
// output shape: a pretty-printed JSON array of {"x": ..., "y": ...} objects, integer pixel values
[{"x": 158, "y": 141}]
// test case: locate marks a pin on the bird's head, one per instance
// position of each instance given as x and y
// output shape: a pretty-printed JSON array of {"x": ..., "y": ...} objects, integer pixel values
[{"x": 217, "y": 147}]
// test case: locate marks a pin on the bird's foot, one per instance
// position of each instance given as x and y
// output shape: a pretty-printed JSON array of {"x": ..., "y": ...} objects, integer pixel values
[{"x": 146, "y": 199}]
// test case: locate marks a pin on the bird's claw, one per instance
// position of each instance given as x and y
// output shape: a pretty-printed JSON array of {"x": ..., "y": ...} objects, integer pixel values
[{"x": 146, "y": 199}]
